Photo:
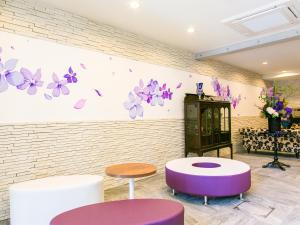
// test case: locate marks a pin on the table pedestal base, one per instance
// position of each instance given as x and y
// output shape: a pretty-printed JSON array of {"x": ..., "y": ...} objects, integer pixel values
[
  {"x": 276, "y": 164},
  {"x": 131, "y": 188}
]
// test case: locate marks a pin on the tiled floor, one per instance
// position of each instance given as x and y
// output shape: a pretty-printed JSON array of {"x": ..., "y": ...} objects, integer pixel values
[{"x": 274, "y": 197}]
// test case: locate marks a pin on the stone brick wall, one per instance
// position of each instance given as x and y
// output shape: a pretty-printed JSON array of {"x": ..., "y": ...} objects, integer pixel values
[{"x": 29, "y": 151}]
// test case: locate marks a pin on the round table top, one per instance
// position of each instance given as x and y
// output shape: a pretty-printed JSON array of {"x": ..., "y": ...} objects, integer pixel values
[
  {"x": 130, "y": 170},
  {"x": 57, "y": 182},
  {"x": 208, "y": 166},
  {"x": 125, "y": 212}
]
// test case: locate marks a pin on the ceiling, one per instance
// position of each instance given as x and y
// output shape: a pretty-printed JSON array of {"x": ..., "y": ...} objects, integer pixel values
[
  {"x": 282, "y": 58},
  {"x": 168, "y": 20}
]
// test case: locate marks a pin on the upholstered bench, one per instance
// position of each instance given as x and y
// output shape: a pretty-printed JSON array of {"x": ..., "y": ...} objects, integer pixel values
[
  {"x": 258, "y": 140},
  {"x": 125, "y": 212},
  {"x": 36, "y": 202},
  {"x": 208, "y": 176}
]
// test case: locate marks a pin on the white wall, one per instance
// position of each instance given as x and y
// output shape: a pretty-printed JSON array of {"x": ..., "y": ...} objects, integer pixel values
[{"x": 113, "y": 76}]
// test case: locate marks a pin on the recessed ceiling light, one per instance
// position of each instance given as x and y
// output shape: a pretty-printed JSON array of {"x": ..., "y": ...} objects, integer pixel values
[
  {"x": 283, "y": 71},
  {"x": 134, "y": 4},
  {"x": 265, "y": 63},
  {"x": 191, "y": 30}
]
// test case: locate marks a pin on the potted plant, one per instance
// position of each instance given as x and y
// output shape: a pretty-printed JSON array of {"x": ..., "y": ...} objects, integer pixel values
[{"x": 275, "y": 107}]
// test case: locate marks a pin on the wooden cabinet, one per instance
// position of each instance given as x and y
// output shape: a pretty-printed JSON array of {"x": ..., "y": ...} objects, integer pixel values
[{"x": 207, "y": 125}]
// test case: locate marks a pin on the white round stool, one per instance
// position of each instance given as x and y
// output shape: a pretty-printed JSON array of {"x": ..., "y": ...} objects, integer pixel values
[{"x": 37, "y": 202}]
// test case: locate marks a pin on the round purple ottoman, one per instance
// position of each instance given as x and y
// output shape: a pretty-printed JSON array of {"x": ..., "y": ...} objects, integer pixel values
[
  {"x": 125, "y": 212},
  {"x": 208, "y": 176}
]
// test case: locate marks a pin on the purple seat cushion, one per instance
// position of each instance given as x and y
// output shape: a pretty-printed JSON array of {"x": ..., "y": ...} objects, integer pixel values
[{"x": 125, "y": 212}]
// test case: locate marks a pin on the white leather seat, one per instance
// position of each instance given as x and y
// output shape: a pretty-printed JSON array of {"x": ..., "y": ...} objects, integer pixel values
[{"x": 36, "y": 202}]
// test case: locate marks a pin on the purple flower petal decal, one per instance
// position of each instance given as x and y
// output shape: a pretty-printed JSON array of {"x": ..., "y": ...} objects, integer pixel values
[
  {"x": 11, "y": 64},
  {"x": 64, "y": 90},
  {"x": 3, "y": 83},
  {"x": 83, "y": 66},
  {"x": 32, "y": 90},
  {"x": 14, "y": 78},
  {"x": 56, "y": 92},
  {"x": 98, "y": 92},
  {"x": 130, "y": 70},
  {"x": 48, "y": 97},
  {"x": 190, "y": 76},
  {"x": 179, "y": 85},
  {"x": 80, "y": 104},
  {"x": 12, "y": 47}
]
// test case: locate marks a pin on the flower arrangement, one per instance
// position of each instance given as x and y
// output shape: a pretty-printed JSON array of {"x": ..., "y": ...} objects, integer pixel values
[{"x": 275, "y": 103}]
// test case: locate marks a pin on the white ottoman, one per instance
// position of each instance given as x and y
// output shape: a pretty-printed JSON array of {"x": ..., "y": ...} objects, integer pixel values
[{"x": 36, "y": 202}]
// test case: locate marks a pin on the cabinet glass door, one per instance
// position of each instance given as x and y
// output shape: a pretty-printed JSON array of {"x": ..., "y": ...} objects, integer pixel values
[
  {"x": 206, "y": 126},
  {"x": 192, "y": 128},
  {"x": 217, "y": 125},
  {"x": 225, "y": 135}
]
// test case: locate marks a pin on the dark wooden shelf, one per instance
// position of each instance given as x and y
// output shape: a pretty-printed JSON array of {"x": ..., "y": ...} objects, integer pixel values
[{"x": 203, "y": 117}]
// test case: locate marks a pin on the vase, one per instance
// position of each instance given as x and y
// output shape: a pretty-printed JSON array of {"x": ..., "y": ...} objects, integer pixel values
[
  {"x": 199, "y": 88},
  {"x": 274, "y": 124}
]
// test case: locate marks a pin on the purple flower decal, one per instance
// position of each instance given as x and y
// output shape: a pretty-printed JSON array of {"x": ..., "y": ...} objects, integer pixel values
[
  {"x": 58, "y": 86},
  {"x": 83, "y": 66},
  {"x": 80, "y": 104},
  {"x": 152, "y": 93},
  {"x": 157, "y": 97},
  {"x": 236, "y": 101},
  {"x": 225, "y": 93},
  {"x": 8, "y": 75},
  {"x": 134, "y": 106},
  {"x": 142, "y": 92},
  {"x": 152, "y": 85},
  {"x": 217, "y": 87},
  {"x": 48, "y": 97},
  {"x": 31, "y": 81},
  {"x": 166, "y": 94},
  {"x": 179, "y": 85},
  {"x": 98, "y": 92},
  {"x": 71, "y": 76}
]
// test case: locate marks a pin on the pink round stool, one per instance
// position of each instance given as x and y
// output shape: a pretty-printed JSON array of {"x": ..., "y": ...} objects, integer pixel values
[
  {"x": 208, "y": 176},
  {"x": 125, "y": 212}
]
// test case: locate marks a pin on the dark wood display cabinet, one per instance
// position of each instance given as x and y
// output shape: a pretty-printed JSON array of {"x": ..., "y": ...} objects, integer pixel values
[{"x": 207, "y": 125}]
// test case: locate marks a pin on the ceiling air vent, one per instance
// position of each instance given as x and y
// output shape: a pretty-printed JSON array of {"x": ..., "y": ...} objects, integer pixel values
[{"x": 278, "y": 15}]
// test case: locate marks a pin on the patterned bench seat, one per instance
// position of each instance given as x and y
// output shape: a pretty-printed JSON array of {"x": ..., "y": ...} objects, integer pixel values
[{"x": 257, "y": 139}]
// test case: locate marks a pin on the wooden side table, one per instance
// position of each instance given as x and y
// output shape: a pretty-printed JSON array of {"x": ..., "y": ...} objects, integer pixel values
[{"x": 131, "y": 171}]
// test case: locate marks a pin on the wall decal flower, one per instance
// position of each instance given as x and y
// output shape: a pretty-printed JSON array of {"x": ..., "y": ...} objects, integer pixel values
[
  {"x": 8, "y": 75},
  {"x": 225, "y": 93},
  {"x": 83, "y": 66},
  {"x": 48, "y": 97},
  {"x": 134, "y": 106},
  {"x": 71, "y": 76},
  {"x": 58, "y": 86},
  {"x": 152, "y": 94},
  {"x": 98, "y": 92},
  {"x": 157, "y": 97},
  {"x": 179, "y": 85},
  {"x": 166, "y": 93},
  {"x": 80, "y": 104},
  {"x": 31, "y": 81},
  {"x": 141, "y": 91}
]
